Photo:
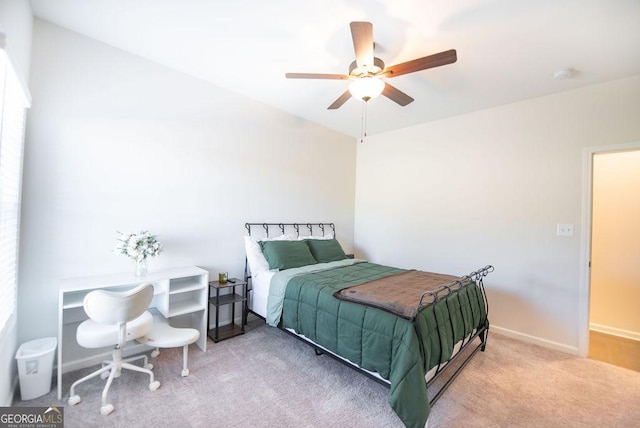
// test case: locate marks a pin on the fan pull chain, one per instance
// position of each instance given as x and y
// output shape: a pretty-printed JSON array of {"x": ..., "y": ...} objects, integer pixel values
[{"x": 363, "y": 122}]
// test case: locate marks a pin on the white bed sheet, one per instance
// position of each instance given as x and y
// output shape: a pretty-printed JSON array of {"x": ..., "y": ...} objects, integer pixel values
[{"x": 260, "y": 292}]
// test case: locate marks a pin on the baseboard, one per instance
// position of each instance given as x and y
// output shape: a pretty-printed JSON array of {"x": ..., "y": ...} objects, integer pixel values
[
  {"x": 613, "y": 331},
  {"x": 573, "y": 350}
]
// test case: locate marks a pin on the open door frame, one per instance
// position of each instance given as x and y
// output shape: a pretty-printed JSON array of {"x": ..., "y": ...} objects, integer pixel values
[{"x": 585, "y": 244}]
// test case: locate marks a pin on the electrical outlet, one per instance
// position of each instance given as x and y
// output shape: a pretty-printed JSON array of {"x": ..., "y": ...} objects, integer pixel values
[{"x": 565, "y": 229}]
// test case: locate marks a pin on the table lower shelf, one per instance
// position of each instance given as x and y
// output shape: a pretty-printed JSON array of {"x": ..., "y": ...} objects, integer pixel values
[{"x": 225, "y": 332}]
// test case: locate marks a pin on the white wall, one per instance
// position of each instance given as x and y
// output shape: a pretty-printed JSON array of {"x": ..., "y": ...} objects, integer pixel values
[
  {"x": 118, "y": 143},
  {"x": 16, "y": 23},
  {"x": 489, "y": 188},
  {"x": 615, "y": 278}
]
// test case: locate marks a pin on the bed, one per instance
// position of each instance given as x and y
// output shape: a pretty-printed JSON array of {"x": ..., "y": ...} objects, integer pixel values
[{"x": 405, "y": 329}]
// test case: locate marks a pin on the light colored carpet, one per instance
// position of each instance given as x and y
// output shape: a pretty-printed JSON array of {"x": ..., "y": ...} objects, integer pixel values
[{"x": 267, "y": 378}]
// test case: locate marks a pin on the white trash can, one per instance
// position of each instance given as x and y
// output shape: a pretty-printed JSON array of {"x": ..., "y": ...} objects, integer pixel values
[{"x": 35, "y": 367}]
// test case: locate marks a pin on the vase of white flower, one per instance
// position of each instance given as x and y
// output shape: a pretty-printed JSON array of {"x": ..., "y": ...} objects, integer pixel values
[
  {"x": 141, "y": 267},
  {"x": 139, "y": 247}
]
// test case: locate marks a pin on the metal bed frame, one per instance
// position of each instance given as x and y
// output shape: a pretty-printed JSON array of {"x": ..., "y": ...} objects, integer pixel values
[{"x": 428, "y": 298}]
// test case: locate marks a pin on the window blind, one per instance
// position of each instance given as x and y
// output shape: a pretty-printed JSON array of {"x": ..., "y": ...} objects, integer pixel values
[{"x": 14, "y": 100}]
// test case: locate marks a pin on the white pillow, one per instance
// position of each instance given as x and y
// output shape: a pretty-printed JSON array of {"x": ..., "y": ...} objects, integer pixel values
[
  {"x": 255, "y": 258},
  {"x": 329, "y": 236}
]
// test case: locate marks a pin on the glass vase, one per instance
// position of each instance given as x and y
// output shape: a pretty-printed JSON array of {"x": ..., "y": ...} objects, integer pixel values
[{"x": 141, "y": 267}]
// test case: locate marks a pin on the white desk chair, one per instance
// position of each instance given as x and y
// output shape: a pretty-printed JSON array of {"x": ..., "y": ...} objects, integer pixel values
[
  {"x": 115, "y": 318},
  {"x": 162, "y": 335}
]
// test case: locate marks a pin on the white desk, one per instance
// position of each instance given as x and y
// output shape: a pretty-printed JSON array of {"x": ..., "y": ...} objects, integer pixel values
[{"x": 180, "y": 294}]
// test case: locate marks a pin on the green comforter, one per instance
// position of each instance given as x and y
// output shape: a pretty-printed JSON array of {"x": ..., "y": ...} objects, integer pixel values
[{"x": 399, "y": 350}]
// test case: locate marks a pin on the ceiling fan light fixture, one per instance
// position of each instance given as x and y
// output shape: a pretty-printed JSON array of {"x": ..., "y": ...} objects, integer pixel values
[
  {"x": 366, "y": 88},
  {"x": 366, "y": 73}
]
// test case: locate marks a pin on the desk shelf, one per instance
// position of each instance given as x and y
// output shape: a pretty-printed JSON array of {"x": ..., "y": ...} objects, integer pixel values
[
  {"x": 183, "y": 295},
  {"x": 185, "y": 285},
  {"x": 184, "y": 307}
]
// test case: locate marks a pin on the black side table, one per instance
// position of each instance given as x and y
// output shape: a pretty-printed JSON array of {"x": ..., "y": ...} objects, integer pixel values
[{"x": 218, "y": 333}]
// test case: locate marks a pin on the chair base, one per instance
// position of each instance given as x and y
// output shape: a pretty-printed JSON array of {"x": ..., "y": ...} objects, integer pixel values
[
  {"x": 147, "y": 365},
  {"x": 110, "y": 371}
]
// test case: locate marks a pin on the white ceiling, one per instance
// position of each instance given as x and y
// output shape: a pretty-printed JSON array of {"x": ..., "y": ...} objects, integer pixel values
[{"x": 507, "y": 50}]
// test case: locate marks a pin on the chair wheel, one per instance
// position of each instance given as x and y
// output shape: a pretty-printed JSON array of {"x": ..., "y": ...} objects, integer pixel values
[
  {"x": 105, "y": 410},
  {"x": 74, "y": 399},
  {"x": 148, "y": 366},
  {"x": 104, "y": 375},
  {"x": 154, "y": 385},
  {"x": 185, "y": 372},
  {"x": 155, "y": 353}
]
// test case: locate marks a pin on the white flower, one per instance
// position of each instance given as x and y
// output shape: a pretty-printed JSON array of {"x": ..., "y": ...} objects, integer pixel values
[{"x": 138, "y": 246}]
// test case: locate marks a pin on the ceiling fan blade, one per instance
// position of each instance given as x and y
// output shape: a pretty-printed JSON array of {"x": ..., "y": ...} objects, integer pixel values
[
  {"x": 362, "y": 35},
  {"x": 341, "y": 100},
  {"x": 431, "y": 61},
  {"x": 396, "y": 95},
  {"x": 316, "y": 76}
]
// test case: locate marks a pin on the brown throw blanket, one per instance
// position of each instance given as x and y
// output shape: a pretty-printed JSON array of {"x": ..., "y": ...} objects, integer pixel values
[{"x": 399, "y": 294}]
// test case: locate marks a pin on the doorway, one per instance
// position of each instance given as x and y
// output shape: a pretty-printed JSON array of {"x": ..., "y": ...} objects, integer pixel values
[{"x": 614, "y": 320}]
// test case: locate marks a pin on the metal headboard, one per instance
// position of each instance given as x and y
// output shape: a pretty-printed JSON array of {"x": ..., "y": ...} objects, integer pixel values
[{"x": 269, "y": 228}]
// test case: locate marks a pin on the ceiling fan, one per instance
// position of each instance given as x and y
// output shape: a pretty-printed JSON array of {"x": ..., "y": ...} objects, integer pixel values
[{"x": 367, "y": 71}]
